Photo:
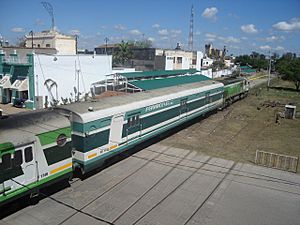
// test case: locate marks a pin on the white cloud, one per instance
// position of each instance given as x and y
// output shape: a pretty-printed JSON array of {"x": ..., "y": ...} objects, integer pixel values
[
  {"x": 17, "y": 30},
  {"x": 135, "y": 32},
  {"x": 176, "y": 32},
  {"x": 74, "y": 32},
  {"x": 198, "y": 33},
  {"x": 249, "y": 28},
  {"x": 163, "y": 32},
  {"x": 209, "y": 35},
  {"x": 292, "y": 25},
  {"x": 151, "y": 39},
  {"x": 210, "y": 13},
  {"x": 244, "y": 38},
  {"x": 265, "y": 47},
  {"x": 119, "y": 27},
  {"x": 156, "y": 25},
  {"x": 164, "y": 38},
  {"x": 103, "y": 27},
  {"x": 279, "y": 48},
  {"x": 274, "y": 38},
  {"x": 231, "y": 39}
]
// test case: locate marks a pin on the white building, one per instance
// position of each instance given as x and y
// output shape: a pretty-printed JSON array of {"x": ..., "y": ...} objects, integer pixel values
[
  {"x": 57, "y": 75},
  {"x": 64, "y": 44},
  {"x": 206, "y": 62}
]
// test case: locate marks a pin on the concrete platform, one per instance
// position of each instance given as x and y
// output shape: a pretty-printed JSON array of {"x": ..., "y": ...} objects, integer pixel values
[{"x": 165, "y": 185}]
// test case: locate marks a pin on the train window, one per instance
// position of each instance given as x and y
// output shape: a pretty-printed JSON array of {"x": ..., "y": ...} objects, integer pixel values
[
  {"x": 6, "y": 161},
  {"x": 28, "y": 154},
  {"x": 134, "y": 121},
  {"x": 18, "y": 158},
  {"x": 61, "y": 140}
]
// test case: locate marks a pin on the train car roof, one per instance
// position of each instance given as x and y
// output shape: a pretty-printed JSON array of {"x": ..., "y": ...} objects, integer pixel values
[
  {"x": 23, "y": 127},
  {"x": 231, "y": 80},
  {"x": 109, "y": 102}
]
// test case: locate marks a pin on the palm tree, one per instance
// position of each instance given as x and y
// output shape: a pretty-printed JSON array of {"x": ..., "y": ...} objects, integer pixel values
[{"x": 124, "y": 52}]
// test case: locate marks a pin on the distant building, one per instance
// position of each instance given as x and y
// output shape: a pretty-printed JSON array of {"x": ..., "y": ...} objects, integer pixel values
[
  {"x": 147, "y": 59},
  {"x": 64, "y": 44},
  {"x": 42, "y": 79},
  {"x": 214, "y": 53}
]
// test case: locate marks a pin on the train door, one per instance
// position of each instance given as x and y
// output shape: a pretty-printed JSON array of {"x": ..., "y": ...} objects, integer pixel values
[
  {"x": 17, "y": 169},
  {"x": 116, "y": 130},
  {"x": 183, "y": 108},
  {"x": 29, "y": 165}
]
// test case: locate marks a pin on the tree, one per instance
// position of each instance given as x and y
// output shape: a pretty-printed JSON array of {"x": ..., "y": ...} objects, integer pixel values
[
  {"x": 290, "y": 69},
  {"x": 21, "y": 42},
  {"x": 141, "y": 44},
  {"x": 124, "y": 52}
]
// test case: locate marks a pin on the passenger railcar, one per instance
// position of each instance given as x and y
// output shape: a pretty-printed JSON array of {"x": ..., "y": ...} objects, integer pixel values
[
  {"x": 35, "y": 151},
  {"x": 114, "y": 124},
  {"x": 39, "y": 148}
]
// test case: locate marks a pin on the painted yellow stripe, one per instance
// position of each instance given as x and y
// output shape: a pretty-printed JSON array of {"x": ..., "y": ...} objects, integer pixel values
[
  {"x": 61, "y": 168},
  {"x": 113, "y": 147},
  {"x": 92, "y": 155}
]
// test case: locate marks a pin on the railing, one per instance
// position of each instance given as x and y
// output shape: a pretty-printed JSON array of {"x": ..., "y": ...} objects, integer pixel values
[
  {"x": 15, "y": 60},
  {"x": 277, "y": 161}
]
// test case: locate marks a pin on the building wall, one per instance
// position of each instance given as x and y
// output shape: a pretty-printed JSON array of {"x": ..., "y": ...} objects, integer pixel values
[
  {"x": 65, "y": 46},
  {"x": 61, "y": 69}
]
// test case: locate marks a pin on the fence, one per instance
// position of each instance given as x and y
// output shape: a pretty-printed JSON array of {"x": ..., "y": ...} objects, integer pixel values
[{"x": 277, "y": 161}]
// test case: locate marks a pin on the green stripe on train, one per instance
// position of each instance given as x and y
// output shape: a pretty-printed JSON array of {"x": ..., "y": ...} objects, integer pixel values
[
  {"x": 51, "y": 136},
  {"x": 91, "y": 164},
  {"x": 6, "y": 147},
  {"x": 34, "y": 185}
]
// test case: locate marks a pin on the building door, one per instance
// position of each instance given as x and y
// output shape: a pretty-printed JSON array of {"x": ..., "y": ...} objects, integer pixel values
[{"x": 116, "y": 130}]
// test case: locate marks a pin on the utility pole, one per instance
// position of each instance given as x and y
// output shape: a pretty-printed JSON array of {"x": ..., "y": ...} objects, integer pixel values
[
  {"x": 31, "y": 33},
  {"x": 76, "y": 39},
  {"x": 269, "y": 72},
  {"x": 106, "y": 40}
]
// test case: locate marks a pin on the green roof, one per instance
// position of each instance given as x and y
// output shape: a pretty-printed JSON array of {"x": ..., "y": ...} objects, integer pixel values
[
  {"x": 157, "y": 73},
  {"x": 168, "y": 82}
]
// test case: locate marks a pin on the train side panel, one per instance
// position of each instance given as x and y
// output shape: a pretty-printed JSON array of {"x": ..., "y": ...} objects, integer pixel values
[
  {"x": 123, "y": 130},
  {"x": 27, "y": 168}
]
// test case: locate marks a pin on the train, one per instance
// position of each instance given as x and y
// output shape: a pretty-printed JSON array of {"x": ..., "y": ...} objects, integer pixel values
[{"x": 42, "y": 147}]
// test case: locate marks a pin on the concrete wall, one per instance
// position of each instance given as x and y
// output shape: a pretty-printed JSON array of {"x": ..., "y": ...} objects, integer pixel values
[
  {"x": 61, "y": 69},
  {"x": 65, "y": 46},
  {"x": 199, "y": 59}
]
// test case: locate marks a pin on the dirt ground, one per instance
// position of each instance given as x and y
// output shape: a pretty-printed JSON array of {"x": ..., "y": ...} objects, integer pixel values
[{"x": 238, "y": 131}]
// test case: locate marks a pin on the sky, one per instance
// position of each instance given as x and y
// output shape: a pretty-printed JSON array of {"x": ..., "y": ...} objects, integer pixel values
[{"x": 242, "y": 26}]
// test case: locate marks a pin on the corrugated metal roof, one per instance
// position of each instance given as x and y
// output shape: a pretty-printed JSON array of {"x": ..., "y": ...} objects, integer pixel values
[
  {"x": 168, "y": 82},
  {"x": 157, "y": 73}
]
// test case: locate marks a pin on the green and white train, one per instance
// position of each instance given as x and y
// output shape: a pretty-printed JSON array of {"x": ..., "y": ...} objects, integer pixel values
[{"x": 39, "y": 148}]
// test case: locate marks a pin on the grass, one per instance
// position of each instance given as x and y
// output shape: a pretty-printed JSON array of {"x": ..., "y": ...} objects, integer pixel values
[{"x": 241, "y": 129}]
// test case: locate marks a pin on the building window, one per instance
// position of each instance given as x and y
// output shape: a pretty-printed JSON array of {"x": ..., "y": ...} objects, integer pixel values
[
  {"x": 28, "y": 154},
  {"x": 47, "y": 45},
  {"x": 179, "y": 59},
  {"x": 18, "y": 158},
  {"x": 39, "y": 45}
]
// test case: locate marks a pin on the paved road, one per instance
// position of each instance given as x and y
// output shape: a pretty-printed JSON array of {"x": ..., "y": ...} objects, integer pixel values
[{"x": 165, "y": 185}]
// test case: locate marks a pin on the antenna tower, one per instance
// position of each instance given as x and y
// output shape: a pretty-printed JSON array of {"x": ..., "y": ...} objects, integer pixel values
[
  {"x": 191, "y": 34},
  {"x": 49, "y": 9}
]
